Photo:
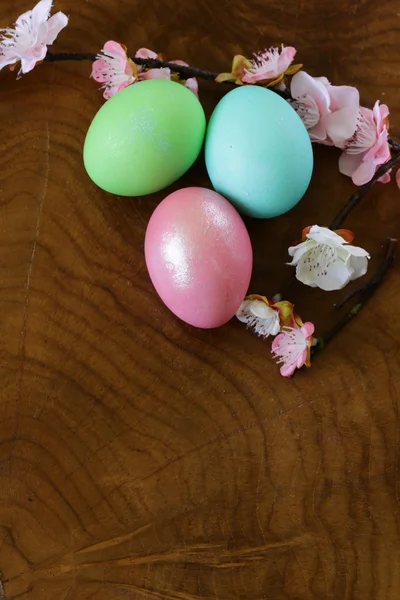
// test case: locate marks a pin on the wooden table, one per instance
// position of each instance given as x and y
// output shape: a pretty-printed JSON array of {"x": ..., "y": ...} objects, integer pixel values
[{"x": 142, "y": 458}]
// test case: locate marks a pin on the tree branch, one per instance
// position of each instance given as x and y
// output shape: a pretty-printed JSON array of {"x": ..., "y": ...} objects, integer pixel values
[
  {"x": 148, "y": 63},
  {"x": 360, "y": 193}
]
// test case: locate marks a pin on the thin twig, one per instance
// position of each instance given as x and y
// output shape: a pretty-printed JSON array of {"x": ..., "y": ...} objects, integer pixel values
[
  {"x": 395, "y": 146},
  {"x": 360, "y": 193},
  {"x": 148, "y": 63},
  {"x": 376, "y": 279},
  {"x": 366, "y": 290}
]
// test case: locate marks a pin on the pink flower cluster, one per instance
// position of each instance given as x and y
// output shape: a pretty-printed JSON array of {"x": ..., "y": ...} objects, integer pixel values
[
  {"x": 115, "y": 70},
  {"x": 292, "y": 345},
  {"x": 333, "y": 116}
]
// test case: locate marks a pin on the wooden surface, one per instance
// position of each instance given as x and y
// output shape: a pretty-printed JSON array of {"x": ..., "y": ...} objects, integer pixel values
[{"x": 141, "y": 458}]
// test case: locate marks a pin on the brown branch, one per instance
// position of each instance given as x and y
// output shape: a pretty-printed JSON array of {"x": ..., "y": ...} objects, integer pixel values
[
  {"x": 148, "y": 63},
  {"x": 376, "y": 279},
  {"x": 151, "y": 63}
]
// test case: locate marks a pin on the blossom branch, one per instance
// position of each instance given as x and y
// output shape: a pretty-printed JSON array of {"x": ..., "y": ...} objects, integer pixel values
[
  {"x": 376, "y": 279},
  {"x": 148, "y": 63},
  {"x": 361, "y": 192},
  {"x": 351, "y": 203},
  {"x": 366, "y": 290}
]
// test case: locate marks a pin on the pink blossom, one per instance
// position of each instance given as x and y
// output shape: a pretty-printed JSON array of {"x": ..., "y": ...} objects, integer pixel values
[
  {"x": 398, "y": 178},
  {"x": 33, "y": 32},
  {"x": 328, "y": 112},
  {"x": 269, "y": 65},
  {"x": 292, "y": 347},
  {"x": 113, "y": 69},
  {"x": 191, "y": 83},
  {"x": 368, "y": 148},
  {"x": 165, "y": 72}
]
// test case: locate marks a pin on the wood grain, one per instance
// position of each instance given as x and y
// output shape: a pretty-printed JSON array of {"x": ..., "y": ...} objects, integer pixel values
[{"x": 141, "y": 458}]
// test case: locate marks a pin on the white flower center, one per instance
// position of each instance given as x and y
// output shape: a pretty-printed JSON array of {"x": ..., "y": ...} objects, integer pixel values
[
  {"x": 263, "y": 319},
  {"x": 320, "y": 258}
]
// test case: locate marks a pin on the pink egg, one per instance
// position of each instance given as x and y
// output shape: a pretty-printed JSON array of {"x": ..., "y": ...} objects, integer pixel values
[{"x": 199, "y": 256}]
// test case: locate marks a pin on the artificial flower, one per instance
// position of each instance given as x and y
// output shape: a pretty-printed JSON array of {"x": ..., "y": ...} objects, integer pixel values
[
  {"x": 292, "y": 347},
  {"x": 368, "y": 147},
  {"x": 28, "y": 41},
  {"x": 264, "y": 317},
  {"x": 326, "y": 259},
  {"x": 239, "y": 65},
  {"x": 114, "y": 69},
  {"x": 270, "y": 66},
  {"x": 165, "y": 72},
  {"x": 329, "y": 112}
]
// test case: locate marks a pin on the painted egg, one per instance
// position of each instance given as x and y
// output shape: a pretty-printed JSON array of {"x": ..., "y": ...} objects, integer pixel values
[
  {"x": 258, "y": 152},
  {"x": 199, "y": 256},
  {"x": 144, "y": 138}
]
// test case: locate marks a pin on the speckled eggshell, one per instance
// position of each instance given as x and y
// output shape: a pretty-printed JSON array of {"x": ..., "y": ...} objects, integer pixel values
[
  {"x": 258, "y": 152},
  {"x": 144, "y": 138},
  {"x": 199, "y": 256}
]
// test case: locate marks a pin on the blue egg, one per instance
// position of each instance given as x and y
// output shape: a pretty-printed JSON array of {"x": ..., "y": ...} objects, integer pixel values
[{"x": 258, "y": 152}]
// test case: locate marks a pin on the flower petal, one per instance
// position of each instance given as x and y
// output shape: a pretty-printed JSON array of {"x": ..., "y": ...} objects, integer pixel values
[
  {"x": 365, "y": 172},
  {"x": 163, "y": 73},
  {"x": 27, "y": 64},
  {"x": 324, "y": 235},
  {"x": 243, "y": 311},
  {"x": 114, "y": 49},
  {"x": 349, "y": 163},
  {"x": 358, "y": 266},
  {"x": 285, "y": 309},
  {"x": 385, "y": 178},
  {"x": 287, "y": 370},
  {"x": 298, "y": 250},
  {"x": 356, "y": 251},
  {"x": 179, "y": 62},
  {"x": 54, "y": 25},
  {"x": 303, "y": 84},
  {"x": 346, "y": 234},
  {"x": 193, "y": 85},
  {"x": 286, "y": 58},
  {"x": 344, "y": 96},
  {"x": 341, "y": 125},
  {"x": 323, "y": 268},
  {"x": 224, "y": 77},
  {"x": 145, "y": 53},
  {"x": 39, "y": 13},
  {"x": 301, "y": 359},
  {"x": 308, "y": 329}
]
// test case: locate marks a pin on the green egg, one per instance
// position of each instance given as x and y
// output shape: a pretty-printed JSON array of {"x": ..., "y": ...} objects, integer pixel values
[{"x": 144, "y": 138}]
